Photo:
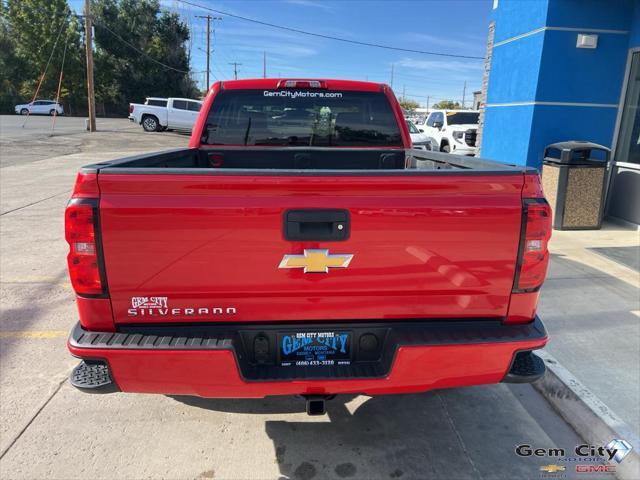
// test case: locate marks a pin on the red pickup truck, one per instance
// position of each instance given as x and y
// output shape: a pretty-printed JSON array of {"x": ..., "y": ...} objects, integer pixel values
[{"x": 299, "y": 246}]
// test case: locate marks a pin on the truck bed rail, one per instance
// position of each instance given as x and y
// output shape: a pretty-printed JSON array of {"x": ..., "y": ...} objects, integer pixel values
[{"x": 303, "y": 161}]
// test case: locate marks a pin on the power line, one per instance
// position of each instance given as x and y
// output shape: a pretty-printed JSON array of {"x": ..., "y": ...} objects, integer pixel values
[
  {"x": 55, "y": 111},
  {"x": 235, "y": 69},
  {"x": 141, "y": 52},
  {"x": 62, "y": 25},
  {"x": 330, "y": 37},
  {"x": 409, "y": 94},
  {"x": 415, "y": 79},
  {"x": 88, "y": 40},
  {"x": 209, "y": 18}
]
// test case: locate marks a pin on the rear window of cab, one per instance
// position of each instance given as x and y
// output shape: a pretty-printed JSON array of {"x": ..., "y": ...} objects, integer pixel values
[{"x": 292, "y": 117}]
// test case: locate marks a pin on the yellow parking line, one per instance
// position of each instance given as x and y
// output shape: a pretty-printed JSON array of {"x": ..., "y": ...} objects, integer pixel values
[
  {"x": 35, "y": 279},
  {"x": 34, "y": 334}
]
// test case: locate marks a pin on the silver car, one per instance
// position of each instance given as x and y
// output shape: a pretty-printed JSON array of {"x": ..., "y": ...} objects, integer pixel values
[{"x": 40, "y": 107}]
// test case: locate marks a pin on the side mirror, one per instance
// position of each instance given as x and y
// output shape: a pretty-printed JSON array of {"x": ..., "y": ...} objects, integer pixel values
[
  {"x": 421, "y": 130},
  {"x": 437, "y": 125}
]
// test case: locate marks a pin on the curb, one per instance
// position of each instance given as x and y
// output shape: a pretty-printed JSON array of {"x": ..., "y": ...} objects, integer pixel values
[{"x": 596, "y": 423}]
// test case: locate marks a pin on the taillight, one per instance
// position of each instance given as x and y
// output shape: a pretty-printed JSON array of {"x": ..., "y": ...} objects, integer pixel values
[
  {"x": 533, "y": 253},
  {"x": 85, "y": 255},
  {"x": 130, "y": 108}
]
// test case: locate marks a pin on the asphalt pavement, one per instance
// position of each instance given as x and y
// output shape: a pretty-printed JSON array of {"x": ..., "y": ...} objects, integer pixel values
[
  {"x": 28, "y": 140},
  {"x": 591, "y": 307},
  {"x": 50, "y": 430}
]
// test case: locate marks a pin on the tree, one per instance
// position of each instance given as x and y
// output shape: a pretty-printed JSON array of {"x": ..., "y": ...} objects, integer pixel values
[
  {"x": 408, "y": 104},
  {"x": 140, "y": 51},
  {"x": 11, "y": 68},
  {"x": 447, "y": 105},
  {"x": 32, "y": 41}
]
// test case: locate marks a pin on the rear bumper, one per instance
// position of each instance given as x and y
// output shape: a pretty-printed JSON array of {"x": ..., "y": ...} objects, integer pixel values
[
  {"x": 463, "y": 149},
  {"x": 217, "y": 361}
]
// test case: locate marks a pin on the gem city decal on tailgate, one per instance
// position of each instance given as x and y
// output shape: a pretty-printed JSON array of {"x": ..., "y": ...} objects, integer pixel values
[
  {"x": 159, "y": 307},
  {"x": 315, "y": 348}
]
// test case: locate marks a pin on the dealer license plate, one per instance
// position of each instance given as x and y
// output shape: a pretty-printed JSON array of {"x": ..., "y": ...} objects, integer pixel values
[{"x": 320, "y": 348}]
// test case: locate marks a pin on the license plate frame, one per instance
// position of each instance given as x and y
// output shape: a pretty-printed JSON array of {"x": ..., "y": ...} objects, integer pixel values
[{"x": 317, "y": 348}]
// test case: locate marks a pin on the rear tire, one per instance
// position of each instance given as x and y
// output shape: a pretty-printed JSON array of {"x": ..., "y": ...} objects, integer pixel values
[
  {"x": 445, "y": 148},
  {"x": 150, "y": 123},
  {"x": 24, "y": 111}
]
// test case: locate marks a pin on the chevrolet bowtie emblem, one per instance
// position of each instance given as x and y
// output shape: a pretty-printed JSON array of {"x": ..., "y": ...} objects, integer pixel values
[
  {"x": 316, "y": 261},
  {"x": 552, "y": 468}
]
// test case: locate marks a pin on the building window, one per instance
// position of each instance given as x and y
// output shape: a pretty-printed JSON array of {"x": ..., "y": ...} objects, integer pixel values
[{"x": 628, "y": 146}]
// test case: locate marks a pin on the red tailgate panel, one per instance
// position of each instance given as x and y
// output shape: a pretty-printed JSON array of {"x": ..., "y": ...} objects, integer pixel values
[{"x": 423, "y": 246}]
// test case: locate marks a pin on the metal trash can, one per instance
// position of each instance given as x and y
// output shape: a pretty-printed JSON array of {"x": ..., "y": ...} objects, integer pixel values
[{"x": 573, "y": 177}]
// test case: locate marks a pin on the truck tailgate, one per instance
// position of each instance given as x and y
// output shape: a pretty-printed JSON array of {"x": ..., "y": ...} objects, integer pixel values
[{"x": 207, "y": 248}]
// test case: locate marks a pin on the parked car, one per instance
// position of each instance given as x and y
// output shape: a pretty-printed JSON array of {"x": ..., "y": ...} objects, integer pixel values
[
  {"x": 454, "y": 131},
  {"x": 158, "y": 114},
  {"x": 300, "y": 246},
  {"x": 419, "y": 139},
  {"x": 40, "y": 107}
]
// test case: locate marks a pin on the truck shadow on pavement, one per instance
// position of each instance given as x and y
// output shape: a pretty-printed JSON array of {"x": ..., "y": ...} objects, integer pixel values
[{"x": 467, "y": 433}]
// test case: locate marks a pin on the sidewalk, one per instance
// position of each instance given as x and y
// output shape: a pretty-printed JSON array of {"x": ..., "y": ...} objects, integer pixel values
[{"x": 590, "y": 305}]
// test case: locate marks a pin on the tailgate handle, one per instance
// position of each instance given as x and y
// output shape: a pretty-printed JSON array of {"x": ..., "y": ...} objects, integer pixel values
[{"x": 316, "y": 225}]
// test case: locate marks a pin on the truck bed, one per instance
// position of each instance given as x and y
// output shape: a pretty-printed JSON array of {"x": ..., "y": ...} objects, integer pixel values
[{"x": 304, "y": 161}]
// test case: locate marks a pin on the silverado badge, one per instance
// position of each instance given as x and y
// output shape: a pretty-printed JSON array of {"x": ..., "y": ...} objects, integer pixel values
[{"x": 316, "y": 261}]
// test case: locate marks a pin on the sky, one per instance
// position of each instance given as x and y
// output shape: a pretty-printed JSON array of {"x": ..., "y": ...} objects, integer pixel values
[{"x": 456, "y": 27}]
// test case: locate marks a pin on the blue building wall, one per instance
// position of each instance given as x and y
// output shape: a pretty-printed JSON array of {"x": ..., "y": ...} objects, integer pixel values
[
  {"x": 519, "y": 17},
  {"x": 542, "y": 89},
  {"x": 634, "y": 36}
]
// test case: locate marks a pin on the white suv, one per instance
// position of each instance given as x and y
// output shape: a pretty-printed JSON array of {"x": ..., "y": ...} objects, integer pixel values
[
  {"x": 42, "y": 107},
  {"x": 454, "y": 131}
]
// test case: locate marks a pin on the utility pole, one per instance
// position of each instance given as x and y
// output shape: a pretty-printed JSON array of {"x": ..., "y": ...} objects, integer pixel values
[
  {"x": 464, "y": 93},
  {"x": 403, "y": 91},
  {"x": 88, "y": 37},
  {"x": 235, "y": 69},
  {"x": 428, "y": 97},
  {"x": 264, "y": 64},
  {"x": 209, "y": 18},
  {"x": 392, "y": 75}
]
